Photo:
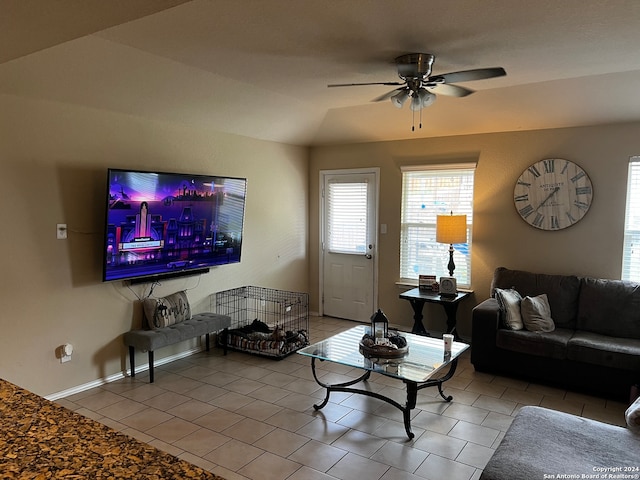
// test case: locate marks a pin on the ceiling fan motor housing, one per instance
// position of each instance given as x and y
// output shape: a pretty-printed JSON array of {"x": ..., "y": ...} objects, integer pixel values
[{"x": 414, "y": 65}]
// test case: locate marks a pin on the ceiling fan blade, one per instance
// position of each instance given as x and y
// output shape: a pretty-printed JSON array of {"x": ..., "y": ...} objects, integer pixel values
[
  {"x": 388, "y": 95},
  {"x": 450, "y": 90},
  {"x": 359, "y": 84},
  {"x": 468, "y": 75}
]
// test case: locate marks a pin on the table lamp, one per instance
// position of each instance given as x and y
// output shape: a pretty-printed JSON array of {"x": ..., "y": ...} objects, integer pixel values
[{"x": 451, "y": 229}]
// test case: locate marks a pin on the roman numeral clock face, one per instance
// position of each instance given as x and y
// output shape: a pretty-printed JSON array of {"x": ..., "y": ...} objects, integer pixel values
[{"x": 553, "y": 194}]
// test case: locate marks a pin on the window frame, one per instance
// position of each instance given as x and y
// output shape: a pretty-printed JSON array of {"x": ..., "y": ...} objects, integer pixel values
[
  {"x": 631, "y": 235},
  {"x": 412, "y": 231}
]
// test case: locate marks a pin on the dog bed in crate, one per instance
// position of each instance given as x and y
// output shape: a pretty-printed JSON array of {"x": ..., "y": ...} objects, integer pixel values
[
  {"x": 259, "y": 338},
  {"x": 265, "y": 321}
]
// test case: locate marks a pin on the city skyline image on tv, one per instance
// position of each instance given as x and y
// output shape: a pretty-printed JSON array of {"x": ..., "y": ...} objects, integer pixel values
[{"x": 164, "y": 223}]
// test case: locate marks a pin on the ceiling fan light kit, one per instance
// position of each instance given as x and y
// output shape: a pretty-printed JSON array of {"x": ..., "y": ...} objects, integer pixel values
[
  {"x": 414, "y": 69},
  {"x": 422, "y": 99},
  {"x": 399, "y": 98}
]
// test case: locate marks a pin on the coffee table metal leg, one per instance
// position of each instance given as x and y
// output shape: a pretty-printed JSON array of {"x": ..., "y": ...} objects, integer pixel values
[
  {"x": 412, "y": 396},
  {"x": 441, "y": 380},
  {"x": 338, "y": 387},
  {"x": 412, "y": 391},
  {"x": 345, "y": 387}
]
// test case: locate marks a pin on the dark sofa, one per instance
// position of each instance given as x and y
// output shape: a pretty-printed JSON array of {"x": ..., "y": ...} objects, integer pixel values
[{"x": 595, "y": 346}]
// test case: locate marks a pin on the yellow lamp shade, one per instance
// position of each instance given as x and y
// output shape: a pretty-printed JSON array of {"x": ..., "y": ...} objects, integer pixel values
[{"x": 451, "y": 229}]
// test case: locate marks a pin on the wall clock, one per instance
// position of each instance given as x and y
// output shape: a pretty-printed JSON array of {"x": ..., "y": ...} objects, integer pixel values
[{"x": 553, "y": 194}]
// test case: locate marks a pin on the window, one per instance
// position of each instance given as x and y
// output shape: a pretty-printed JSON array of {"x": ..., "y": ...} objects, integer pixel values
[
  {"x": 429, "y": 191},
  {"x": 347, "y": 217},
  {"x": 631, "y": 249}
]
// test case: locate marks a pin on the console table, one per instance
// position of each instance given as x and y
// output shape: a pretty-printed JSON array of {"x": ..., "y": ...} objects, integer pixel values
[
  {"x": 417, "y": 298},
  {"x": 425, "y": 364}
]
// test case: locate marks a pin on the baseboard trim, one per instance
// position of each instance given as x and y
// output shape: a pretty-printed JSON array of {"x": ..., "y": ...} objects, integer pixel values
[{"x": 118, "y": 376}]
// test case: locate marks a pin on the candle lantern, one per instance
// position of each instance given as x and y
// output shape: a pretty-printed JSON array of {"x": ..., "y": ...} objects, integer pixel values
[{"x": 379, "y": 325}]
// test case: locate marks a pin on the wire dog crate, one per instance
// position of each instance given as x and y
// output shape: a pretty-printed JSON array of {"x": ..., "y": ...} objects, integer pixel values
[{"x": 264, "y": 321}]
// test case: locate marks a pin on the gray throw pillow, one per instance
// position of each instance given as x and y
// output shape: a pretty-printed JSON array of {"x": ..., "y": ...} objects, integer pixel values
[
  {"x": 536, "y": 314},
  {"x": 165, "y": 311},
  {"x": 509, "y": 300}
]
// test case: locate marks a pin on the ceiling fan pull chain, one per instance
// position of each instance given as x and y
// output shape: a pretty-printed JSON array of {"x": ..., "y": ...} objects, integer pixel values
[
  {"x": 413, "y": 120},
  {"x": 421, "y": 118}
]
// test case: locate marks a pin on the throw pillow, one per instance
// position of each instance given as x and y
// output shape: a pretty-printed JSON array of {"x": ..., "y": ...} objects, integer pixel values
[
  {"x": 536, "y": 314},
  {"x": 165, "y": 311},
  {"x": 632, "y": 416},
  {"x": 509, "y": 300}
]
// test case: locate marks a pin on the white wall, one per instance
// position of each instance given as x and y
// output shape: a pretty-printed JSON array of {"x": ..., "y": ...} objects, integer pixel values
[{"x": 53, "y": 163}]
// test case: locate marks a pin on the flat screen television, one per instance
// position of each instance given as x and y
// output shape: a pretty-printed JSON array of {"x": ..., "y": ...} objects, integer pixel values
[{"x": 160, "y": 225}]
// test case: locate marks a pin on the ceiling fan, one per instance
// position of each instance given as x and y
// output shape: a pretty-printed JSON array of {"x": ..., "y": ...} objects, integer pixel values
[{"x": 418, "y": 84}]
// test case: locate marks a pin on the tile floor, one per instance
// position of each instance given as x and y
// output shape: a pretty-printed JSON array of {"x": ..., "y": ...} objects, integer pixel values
[{"x": 247, "y": 417}]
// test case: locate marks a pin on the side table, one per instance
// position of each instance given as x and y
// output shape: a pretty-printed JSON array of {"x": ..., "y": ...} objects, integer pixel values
[{"x": 417, "y": 298}]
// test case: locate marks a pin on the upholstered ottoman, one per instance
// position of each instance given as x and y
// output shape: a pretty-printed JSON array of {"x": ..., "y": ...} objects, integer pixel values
[{"x": 543, "y": 442}]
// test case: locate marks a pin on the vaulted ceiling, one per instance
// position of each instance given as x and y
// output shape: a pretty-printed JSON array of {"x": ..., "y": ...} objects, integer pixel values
[{"x": 260, "y": 68}]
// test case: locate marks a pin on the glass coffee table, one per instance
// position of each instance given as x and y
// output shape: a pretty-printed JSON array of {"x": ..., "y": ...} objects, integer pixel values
[{"x": 423, "y": 365}]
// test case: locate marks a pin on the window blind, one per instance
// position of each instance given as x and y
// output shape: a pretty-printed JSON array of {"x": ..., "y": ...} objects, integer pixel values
[
  {"x": 427, "y": 192},
  {"x": 347, "y": 217},
  {"x": 631, "y": 249}
]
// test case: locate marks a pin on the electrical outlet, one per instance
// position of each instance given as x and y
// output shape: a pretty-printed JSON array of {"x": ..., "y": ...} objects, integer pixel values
[
  {"x": 64, "y": 352},
  {"x": 61, "y": 231}
]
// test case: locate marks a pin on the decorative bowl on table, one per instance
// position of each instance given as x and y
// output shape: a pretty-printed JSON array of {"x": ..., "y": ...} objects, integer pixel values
[{"x": 392, "y": 346}]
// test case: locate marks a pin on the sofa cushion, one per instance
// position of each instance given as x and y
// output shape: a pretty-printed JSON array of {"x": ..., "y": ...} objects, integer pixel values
[
  {"x": 165, "y": 311},
  {"x": 541, "y": 344},
  {"x": 562, "y": 291},
  {"x": 536, "y": 314},
  {"x": 593, "y": 348},
  {"x": 609, "y": 307},
  {"x": 509, "y": 302}
]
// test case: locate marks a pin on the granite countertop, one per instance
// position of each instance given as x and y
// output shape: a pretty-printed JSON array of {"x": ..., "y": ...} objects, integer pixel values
[{"x": 40, "y": 439}]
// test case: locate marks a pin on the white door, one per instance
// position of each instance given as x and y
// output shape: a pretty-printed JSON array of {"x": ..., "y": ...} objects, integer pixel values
[{"x": 348, "y": 243}]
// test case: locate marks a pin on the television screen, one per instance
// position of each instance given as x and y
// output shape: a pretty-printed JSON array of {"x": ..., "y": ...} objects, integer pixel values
[{"x": 170, "y": 224}]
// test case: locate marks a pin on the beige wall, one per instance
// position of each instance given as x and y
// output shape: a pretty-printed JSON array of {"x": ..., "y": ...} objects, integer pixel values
[
  {"x": 500, "y": 237},
  {"x": 54, "y": 159}
]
